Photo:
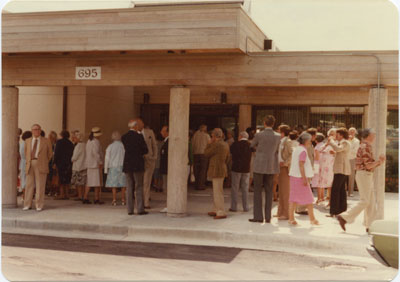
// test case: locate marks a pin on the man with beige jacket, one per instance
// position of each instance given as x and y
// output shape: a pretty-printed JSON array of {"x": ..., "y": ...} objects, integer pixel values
[
  {"x": 218, "y": 153},
  {"x": 149, "y": 163},
  {"x": 38, "y": 152}
]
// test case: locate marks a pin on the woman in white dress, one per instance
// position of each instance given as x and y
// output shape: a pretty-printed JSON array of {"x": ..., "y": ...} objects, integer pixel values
[
  {"x": 94, "y": 164},
  {"x": 113, "y": 164}
]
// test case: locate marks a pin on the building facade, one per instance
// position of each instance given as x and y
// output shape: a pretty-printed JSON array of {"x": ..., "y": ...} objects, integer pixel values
[{"x": 182, "y": 65}]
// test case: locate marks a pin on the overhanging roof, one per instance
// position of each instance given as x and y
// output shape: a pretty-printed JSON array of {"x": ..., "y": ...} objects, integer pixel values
[{"x": 217, "y": 26}]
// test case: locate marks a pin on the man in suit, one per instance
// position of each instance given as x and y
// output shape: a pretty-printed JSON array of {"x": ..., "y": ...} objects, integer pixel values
[
  {"x": 38, "y": 152},
  {"x": 164, "y": 161},
  {"x": 266, "y": 165},
  {"x": 149, "y": 163},
  {"x": 135, "y": 149}
]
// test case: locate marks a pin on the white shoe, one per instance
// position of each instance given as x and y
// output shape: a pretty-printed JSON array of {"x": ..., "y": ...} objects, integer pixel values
[
  {"x": 164, "y": 210},
  {"x": 38, "y": 209},
  {"x": 26, "y": 208}
]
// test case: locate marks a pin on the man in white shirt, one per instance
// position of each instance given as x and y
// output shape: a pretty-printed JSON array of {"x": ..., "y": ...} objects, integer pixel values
[
  {"x": 38, "y": 152},
  {"x": 354, "y": 145},
  {"x": 199, "y": 142}
]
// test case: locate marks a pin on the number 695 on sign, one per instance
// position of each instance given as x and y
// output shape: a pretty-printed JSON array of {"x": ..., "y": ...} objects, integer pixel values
[{"x": 85, "y": 73}]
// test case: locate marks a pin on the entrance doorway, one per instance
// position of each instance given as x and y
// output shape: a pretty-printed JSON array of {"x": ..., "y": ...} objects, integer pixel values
[{"x": 222, "y": 116}]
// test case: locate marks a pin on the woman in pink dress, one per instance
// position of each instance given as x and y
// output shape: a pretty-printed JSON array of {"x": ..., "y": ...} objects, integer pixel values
[{"x": 300, "y": 173}]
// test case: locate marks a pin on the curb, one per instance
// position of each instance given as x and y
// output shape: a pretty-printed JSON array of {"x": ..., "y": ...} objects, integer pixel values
[{"x": 249, "y": 240}]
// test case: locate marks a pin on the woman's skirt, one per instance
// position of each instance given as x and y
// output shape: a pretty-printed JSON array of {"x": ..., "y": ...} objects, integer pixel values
[
  {"x": 79, "y": 177},
  {"x": 115, "y": 177},
  {"x": 93, "y": 177},
  {"x": 300, "y": 193}
]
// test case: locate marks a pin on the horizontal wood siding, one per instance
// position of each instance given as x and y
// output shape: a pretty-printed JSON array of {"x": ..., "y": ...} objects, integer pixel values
[
  {"x": 321, "y": 96},
  {"x": 192, "y": 28},
  {"x": 299, "y": 69},
  {"x": 251, "y": 36}
]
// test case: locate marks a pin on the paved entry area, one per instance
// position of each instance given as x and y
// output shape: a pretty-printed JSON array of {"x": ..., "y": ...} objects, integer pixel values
[{"x": 72, "y": 219}]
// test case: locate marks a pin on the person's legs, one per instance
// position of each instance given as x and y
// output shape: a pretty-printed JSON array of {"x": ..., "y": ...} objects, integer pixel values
[
  {"x": 257, "y": 209},
  {"x": 196, "y": 170},
  {"x": 244, "y": 184},
  {"x": 352, "y": 176},
  {"x": 292, "y": 208},
  {"x": 268, "y": 187},
  {"x": 97, "y": 193},
  {"x": 284, "y": 191},
  {"x": 310, "y": 210},
  {"x": 114, "y": 195},
  {"x": 29, "y": 188},
  {"x": 335, "y": 195},
  {"x": 139, "y": 191},
  {"x": 275, "y": 186},
  {"x": 343, "y": 194},
  {"x": 234, "y": 189},
  {"x": 218, "y": 192},
  {"x": 364, "y": 184},
  {"x": 123, "y": 191},
  {"x": 203, "y": 171},
  {"x": 129, "y": 192},
  {"x": 148, "y": 175}
]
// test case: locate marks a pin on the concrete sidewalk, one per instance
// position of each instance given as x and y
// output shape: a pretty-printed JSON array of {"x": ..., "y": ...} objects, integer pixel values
[{"x": 70, "y": 218}]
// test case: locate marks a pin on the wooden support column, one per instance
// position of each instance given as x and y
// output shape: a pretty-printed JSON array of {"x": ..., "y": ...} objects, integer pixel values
[
  {"x": 377, "y": 119},
  {"x": 10, "y": 146},
  {"x": 178, "y": 151},
  {"x": 244, "y": 117}
]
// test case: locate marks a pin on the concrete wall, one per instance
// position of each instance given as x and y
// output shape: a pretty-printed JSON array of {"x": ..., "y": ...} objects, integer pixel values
[
  {"x": 110, "y": 108},
  {"x": 42, "y": 105}
]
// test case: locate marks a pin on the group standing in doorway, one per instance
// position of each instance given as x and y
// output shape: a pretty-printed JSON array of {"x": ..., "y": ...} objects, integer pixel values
[{"x": 293, "y": 159}]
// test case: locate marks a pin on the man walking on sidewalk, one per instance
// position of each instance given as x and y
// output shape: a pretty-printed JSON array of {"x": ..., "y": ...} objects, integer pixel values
[
  {"x": 365, "y": 166},
  {"x": 266, "y": 165}
]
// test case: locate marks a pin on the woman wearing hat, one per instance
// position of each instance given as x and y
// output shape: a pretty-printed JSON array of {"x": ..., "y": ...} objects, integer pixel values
[{"x": 94, "y": 163}]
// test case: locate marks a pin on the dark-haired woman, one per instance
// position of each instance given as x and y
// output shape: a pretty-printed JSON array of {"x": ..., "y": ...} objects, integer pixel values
[
  {"x": 94, "y": 165},
  {"x": 62, "y": 160},
  {"x": 341, "y": 170}
]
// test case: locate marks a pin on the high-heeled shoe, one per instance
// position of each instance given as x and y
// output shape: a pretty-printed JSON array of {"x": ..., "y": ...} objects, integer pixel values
[
  {"x": 292, "y": 222},
  {"x": 114, "y": 203}
]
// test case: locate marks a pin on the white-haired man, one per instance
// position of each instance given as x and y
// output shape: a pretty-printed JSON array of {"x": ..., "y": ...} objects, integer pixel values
[
  {"x": 354, "y": 145},
  {"x": 241, "y": 157},
  {"x": 38, "y": 152},
  {"x": 218, "y": 153},
  {"x": 135, "y": 149}
]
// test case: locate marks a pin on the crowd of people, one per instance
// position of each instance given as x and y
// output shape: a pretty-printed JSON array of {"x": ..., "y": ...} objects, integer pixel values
[{"x": 285, "y": 164}]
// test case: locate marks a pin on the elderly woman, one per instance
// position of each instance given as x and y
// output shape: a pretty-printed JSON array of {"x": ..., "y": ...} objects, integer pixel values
[
  {"x": 78, "y": 164},
  {"x": 300, "y": 173},
  {"x": 218, "y": 153},
  {"x": 113, "y": 167},
  {"x": 62, "y": 160},
  {"x": 94, "y": 163}
]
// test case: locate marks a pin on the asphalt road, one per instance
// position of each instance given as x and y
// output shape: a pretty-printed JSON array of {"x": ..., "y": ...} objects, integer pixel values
[{"x": 44, "y": 258}]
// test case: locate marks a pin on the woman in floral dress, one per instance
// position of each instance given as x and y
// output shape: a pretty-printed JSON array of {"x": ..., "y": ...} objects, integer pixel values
[{"x": 326, "y": 161}]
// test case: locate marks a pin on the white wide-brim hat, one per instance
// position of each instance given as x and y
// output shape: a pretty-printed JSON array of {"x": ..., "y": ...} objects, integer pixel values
[{"x": 96, "y": 131}]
